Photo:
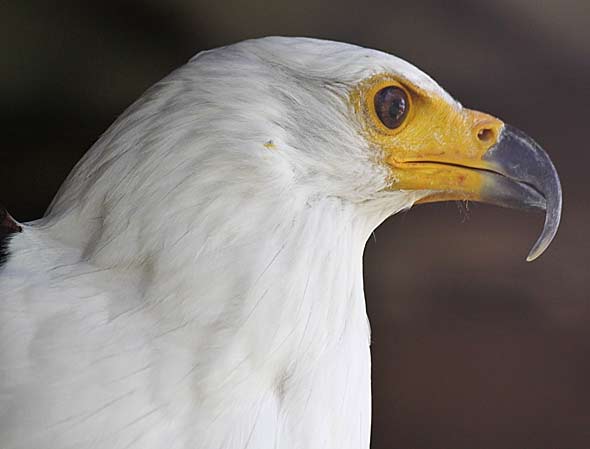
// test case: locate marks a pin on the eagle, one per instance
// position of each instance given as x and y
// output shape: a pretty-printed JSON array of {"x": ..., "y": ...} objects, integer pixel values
[{"x": 197, "y": 283}]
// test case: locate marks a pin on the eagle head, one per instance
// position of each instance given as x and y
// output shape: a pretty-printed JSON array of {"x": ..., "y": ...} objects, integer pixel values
[{"x": 294, "y": 121}]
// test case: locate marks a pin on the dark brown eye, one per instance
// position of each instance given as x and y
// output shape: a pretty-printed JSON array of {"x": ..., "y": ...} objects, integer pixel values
[{"x": 391, "y": 106}]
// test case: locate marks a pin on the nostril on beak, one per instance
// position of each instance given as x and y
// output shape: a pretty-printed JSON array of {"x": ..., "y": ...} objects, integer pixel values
[{"x": 486, "y": 135}]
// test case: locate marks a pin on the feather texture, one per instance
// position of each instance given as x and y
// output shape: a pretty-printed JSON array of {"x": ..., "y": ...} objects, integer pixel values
[{"x": 197, "y": 281}]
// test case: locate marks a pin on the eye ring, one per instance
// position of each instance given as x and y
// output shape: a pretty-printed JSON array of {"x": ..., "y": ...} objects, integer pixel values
[{"x": 391, "y": 105}]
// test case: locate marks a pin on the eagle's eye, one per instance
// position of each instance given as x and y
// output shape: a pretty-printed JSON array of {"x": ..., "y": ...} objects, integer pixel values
[{"x": 391, "y": 106}]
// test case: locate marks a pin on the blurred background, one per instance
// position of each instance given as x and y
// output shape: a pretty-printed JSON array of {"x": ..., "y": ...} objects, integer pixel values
[{"x": 473, "y": 348}]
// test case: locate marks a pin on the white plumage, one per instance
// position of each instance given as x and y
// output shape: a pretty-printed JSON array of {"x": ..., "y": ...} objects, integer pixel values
[{"x": 197, "y": 281}]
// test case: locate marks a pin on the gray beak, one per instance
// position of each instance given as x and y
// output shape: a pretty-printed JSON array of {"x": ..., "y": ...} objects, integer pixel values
[{"x": 528, "y": 181}]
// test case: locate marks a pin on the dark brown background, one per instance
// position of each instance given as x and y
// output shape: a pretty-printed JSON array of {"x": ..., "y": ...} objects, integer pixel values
[{"x": 473, "y": 348}]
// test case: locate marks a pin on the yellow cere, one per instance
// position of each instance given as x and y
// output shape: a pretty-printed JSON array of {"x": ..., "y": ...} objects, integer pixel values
[{"x": 436, "y": 148}]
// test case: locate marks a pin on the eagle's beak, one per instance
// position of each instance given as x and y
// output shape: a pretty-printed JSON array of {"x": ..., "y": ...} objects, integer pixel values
[
  {"x": 509, "y": 169},
  {"x": 523, "y": 177}
]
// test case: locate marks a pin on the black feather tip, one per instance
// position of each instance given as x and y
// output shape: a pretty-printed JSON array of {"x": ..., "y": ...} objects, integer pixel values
[{"x": 8, "y": 227}]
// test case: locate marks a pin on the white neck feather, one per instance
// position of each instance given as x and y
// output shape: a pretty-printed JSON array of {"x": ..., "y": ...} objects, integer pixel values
[
  {"x": 267, "y": 329},
  {"x": 258, "y": 316}
]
